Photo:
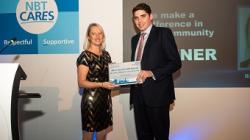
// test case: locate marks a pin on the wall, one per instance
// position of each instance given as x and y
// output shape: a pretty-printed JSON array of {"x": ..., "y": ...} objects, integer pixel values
[{"x": 199, "y": 113}]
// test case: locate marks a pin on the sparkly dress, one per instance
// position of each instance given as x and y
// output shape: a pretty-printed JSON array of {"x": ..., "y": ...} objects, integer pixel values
[{"x": 96, "y": 104}]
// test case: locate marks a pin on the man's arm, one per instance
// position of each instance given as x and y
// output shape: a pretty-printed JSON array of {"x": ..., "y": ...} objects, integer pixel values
[{"x": 173, "y": 58}]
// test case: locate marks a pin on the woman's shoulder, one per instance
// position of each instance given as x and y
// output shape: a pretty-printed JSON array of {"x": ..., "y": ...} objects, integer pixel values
[
  {"x": 82, "y": 54},
  {"x": 83, "y": 57},
  {"x": 104, "y": 52}
]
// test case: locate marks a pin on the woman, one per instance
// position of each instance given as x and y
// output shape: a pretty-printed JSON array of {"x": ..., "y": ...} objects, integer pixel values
[{"x": 92, "y": 74}]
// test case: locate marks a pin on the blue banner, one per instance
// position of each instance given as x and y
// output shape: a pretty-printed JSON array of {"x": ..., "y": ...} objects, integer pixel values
[{"x": 39, "y": 27}]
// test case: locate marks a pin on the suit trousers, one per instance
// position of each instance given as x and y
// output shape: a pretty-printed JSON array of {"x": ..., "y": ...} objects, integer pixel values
[{"x": 152, "y": 123}]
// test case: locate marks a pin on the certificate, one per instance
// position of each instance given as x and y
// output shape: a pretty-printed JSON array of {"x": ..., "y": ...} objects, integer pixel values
[{"x": 124, "y": 73}]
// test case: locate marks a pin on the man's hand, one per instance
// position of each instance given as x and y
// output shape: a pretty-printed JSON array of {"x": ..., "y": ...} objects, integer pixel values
[{"x": 143, "y": 75}]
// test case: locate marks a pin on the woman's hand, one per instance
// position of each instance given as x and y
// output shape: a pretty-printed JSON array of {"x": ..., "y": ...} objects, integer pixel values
[{"x": 108, "y": 85}]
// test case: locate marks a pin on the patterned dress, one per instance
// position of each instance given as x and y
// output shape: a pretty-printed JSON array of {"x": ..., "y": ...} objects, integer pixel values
[{"x": 96, "y": 104}]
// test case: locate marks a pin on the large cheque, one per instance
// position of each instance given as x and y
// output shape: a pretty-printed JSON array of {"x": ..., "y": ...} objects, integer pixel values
[{"x": 124, "y": 73}]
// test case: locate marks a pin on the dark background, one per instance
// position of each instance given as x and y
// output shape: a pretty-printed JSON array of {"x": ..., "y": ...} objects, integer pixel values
[{"x": 219, "y": 16}]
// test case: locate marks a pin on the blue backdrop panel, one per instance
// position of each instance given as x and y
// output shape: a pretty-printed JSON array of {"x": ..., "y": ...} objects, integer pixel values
[{"x": 62, "y": 38}]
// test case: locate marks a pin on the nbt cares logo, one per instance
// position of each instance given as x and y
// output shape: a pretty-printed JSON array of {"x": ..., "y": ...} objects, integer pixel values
[{"x": 36, "y": 16}]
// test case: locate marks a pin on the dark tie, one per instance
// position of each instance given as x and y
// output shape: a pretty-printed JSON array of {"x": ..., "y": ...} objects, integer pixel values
[{"x": 139, "y": 51}]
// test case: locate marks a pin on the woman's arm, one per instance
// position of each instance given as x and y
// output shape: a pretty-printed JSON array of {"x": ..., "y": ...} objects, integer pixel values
[{"x": 82, "y": 72}]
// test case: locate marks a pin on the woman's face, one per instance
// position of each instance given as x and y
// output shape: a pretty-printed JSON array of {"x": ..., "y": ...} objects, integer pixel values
[{"x": 95, "y": 36}]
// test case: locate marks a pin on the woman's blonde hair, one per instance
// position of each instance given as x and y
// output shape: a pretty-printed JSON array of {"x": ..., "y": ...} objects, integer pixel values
[{"x": 87, "y": 43}]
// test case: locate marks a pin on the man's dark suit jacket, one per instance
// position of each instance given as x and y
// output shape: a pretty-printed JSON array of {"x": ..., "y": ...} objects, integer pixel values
[{"x": 162, "y": 58}]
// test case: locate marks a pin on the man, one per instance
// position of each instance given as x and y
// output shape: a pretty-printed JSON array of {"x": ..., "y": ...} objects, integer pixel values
[{"x": 159, "y": 60}]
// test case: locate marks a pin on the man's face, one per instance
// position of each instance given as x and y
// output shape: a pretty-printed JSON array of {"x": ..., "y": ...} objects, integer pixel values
[{"x": 142, "y": 19}]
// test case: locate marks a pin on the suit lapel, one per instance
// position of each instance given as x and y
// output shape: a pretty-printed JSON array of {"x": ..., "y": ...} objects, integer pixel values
[{"x": 148, "y": 44}]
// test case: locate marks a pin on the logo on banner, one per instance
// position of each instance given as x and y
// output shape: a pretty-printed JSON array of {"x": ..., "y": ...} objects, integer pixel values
[{"x": 36, "y": 16}]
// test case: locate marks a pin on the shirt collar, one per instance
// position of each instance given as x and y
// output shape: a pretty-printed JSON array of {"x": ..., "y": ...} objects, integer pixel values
[{"x": 147, "y": 31}]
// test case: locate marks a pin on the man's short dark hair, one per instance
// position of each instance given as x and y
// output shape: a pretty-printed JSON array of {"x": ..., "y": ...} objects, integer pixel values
[{"x": 142, "y": 6}]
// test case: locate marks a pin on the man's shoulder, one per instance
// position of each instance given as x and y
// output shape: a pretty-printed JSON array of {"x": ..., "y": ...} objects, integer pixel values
[
  {"x": 136, "y": 36},
  {"x": 162, "y": 29}
]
